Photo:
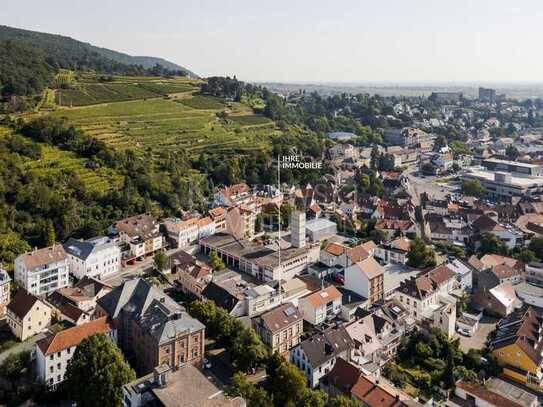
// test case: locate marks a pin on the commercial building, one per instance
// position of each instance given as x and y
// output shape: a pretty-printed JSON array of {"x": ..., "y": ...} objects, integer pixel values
[
  {"x": 259, "y": 261},
  {"x": 98, "y": 257},
  {"x": 495, "y": 393},
  {"x": 320, "y": 229},
  {"x": 487, "y": 95},
  {"x": 512, "y": 167},
  {"x": 503, "y": 185},
  {"x": 43, "y": 271}
]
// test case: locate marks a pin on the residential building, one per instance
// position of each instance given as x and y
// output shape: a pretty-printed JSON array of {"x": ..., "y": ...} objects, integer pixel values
[
  {"x": 464, "y": 273},
  {"x": 426, "y": 293},
  {"x": 366, "y": 278},
  {"x": 534, "y": 273},
  {"x": 189, "y": 275},
  {"x": 393, "y": 226},
  {"x": 185, "y": 387},
  {"x": 141, "y": 233},
  {"x": 5, "y": 289},
  {"x": 240, "y": 221},
  {"x": 43, "y": 271},
  {"x": 83, "y": 295},
  {"x": 518, "y": 346},
  {"x": 495, "y": 393},
  {"x": 218, "y": 216},
  {"x": 320, "y": 306},
  {"x": 280, "y": 328},
  {"x": 54, "y": 352},
  {"x": 152, "y": 328},
  {"x": 27, "y": 315},
  {"x": 98, "y": 257},
  {"x": 501, "y": 300},
  {"x": 347, "y": 379},
  {"x": 317, "y": 355},
  {"x": 234, "y": 195},
  {"x": 181, "y": 232},
  {"x": 394, "y": 252}
]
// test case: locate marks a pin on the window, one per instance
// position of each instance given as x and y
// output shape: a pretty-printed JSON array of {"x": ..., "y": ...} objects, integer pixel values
[{"x": 58, "y": 365}]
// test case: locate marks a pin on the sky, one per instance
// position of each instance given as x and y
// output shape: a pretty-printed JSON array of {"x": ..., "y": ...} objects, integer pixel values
[{"x": 359, "y": 41}]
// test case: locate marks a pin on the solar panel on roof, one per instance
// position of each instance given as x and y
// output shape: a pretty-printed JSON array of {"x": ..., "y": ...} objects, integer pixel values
[{"x": 289, "y": 311}]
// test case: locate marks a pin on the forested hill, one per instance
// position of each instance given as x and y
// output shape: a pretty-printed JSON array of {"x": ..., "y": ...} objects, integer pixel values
[{"x": 66, "y": 52}]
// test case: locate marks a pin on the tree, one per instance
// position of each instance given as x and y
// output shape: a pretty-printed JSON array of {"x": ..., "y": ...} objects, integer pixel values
[
  {"x": 240, "y": 386},
  {"x": 216, "y": 262},
  {"x": 96, "y": 373},
  {"x": 286, "y": 383},
  {"x": 536, "y": 246},
  {"x": 525, "y": 255},
  {"x": 49, "y": 233},
  {"x": 420, "y": 255},
  {"x": 14, "y": 363},
  {"x": 440, "y": 142},
  {"x": 428, "y": 169},
  {"x": 160, "y": 261},
  {"x": 247, "y": 349},
  {"x": 492, "y": 244},
  {"x": 472, "y": 188},
  {"x": 343, "y": 401},
  {"x": 512, "y": 152}
]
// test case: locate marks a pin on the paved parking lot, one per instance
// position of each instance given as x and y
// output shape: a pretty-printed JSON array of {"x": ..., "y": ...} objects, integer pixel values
[{"x": 477, "y": 341}]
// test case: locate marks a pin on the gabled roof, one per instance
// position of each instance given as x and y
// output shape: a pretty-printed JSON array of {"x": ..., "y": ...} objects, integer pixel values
[
  {"x": 144, "y": 226},
  {"x": 73, "y": 336},
  {"x": 323, "y": 297},
  {"x": 343, "y": 376},
  {"x": 326, "y": 345},
  {"x": 441, "y": 274},
  {"x": 370, "y": 268},
  {"x": 22, "y": 303},
  {"x": 335, "y": 249},
  {"x": 281, "y": 317}
]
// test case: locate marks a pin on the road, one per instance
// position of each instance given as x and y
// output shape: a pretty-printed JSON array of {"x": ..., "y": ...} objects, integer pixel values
[{"x": 419, "y": 184}]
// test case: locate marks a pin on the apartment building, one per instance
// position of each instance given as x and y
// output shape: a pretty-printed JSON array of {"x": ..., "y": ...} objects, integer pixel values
[
  {"x": 281, "y": 328},
  {"x": 141, "y": 233},
  {"x": 27, "y": 315},
  {"x": 55, "y": 351},
  {"x": 43, "y": 271},
  {"x": 324, "y": 304},
  {"x": 98, "y": 257},
  {"x": 366, "y": 278}
]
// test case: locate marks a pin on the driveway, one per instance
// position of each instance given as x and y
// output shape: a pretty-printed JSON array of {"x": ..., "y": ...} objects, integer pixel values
[{"x": 477, "y": 341}]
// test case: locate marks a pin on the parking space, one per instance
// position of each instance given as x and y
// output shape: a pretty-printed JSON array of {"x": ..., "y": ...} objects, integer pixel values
[{"x": 477, "y": 341}]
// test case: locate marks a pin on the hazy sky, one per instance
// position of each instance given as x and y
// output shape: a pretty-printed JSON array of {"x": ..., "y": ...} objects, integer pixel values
[{"x": 309, "y": 40}]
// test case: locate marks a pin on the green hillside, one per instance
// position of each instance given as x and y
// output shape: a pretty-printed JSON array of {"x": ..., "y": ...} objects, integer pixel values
[{"x": 66, "y": 52}]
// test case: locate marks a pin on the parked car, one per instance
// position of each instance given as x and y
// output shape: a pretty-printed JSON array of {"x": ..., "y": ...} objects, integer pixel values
[
  {"x": 464, "y": 331},
  {"x": 339, "y": 278}
]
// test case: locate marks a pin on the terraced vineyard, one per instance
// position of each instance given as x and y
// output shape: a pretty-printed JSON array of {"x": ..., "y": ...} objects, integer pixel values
[
  {"x": 55, "y": 161},
  {"x": 189, "y": 123}
]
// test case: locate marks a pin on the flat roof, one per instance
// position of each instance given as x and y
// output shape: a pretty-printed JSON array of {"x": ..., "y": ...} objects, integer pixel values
[
  {"x": 508, "y": 162},
  {"x": 319, "y": 224},
  {"x": 523, "y": 182}
]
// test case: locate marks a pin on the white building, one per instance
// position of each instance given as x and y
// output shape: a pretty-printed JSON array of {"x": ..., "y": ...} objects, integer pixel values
[
  {"x": 98, "y": 257},
  {"x": 142, "y": 235},
  {"x": 43, "y": 271},
  {"x": 55, "y": 351},
  {"x": 366, "y": 278},
  {"x": 5, "y": 297},
  {"x": 321, "y": 305}
]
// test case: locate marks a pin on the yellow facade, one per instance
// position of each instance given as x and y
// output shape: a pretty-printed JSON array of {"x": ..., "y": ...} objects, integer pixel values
[{"x": 514, "y": 356}]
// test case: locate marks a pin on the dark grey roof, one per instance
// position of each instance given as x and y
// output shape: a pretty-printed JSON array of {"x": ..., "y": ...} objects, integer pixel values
[
  {"x": 82, "y": 249},
  {"x": 220, "y": 296},
  {"x": 326, "y": 345},
  {"x": 135, "y": 297}
]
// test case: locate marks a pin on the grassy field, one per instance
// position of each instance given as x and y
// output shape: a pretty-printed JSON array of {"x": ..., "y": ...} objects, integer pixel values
[
  {"x": 189, "y": 123},
  {"x": 55, "y": 161}
]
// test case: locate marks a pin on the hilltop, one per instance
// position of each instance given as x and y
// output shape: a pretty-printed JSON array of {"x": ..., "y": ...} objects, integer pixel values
[{"x": 66, "y": 52}]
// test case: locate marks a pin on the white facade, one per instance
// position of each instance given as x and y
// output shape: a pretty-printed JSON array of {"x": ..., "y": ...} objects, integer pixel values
[
  {"x": 357, "y": 281},
  {"x": 43, "y": 278},
  {"x": 5, "y": 281},
  {"x": 317, "y": 314},
  {"x": 97, "y": 258}
]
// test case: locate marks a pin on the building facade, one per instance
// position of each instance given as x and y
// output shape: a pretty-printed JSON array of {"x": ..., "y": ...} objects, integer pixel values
[{"x": 98, "y": 257}]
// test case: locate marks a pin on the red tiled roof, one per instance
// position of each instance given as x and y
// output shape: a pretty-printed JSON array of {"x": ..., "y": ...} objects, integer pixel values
[
  {"x": 323, "y": 296},
  {"x": 73, "y": 336}
]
